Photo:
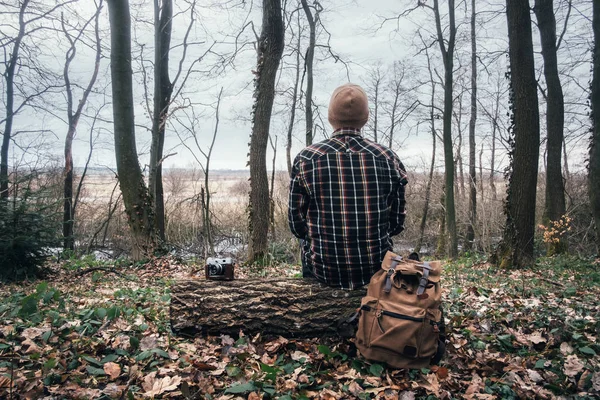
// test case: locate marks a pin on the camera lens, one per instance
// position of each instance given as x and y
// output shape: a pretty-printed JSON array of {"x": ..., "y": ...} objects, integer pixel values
[{"x": 216, "y": 269}]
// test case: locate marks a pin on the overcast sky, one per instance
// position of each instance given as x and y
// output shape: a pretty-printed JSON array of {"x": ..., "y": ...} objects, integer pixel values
[{"x": 358, "y": 36}]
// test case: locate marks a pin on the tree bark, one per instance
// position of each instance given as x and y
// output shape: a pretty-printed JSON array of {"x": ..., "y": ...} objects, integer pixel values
[
  {"x": 270, "y": 49},
  {"x": 73, "y": 120},
  {"x": 517, "y": 246},
  {"x": 278, "y": 306},
  {"x": 310, "y": 55},
  {"x": 288, "y": 147},
  {"x": 163, "y": 89},
  {"x": 554, "y": 207},
  {"x": 9, "y": 76},
  {"x": 137, "y": 201},
  {"x": 594, "y": 160},
  {"x": 448, "y": 57},
  {"x": 472, "y": 122}
]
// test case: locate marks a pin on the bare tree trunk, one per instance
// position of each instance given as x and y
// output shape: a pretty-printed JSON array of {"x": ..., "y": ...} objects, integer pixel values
[
  {"x": 137, "y": 201},
  {"x": 9, "y": 76},
  {"x": 472, "y": 163},
  {"x": 448, "y": 57},
  {"x": 163, "y": 89},
  {"x": 288, "y": 148},
  {"x": 427, "y": 188},
  {"x": 280, "y": 306},
  {"x": 554, "y": 207},
  {"x": 272, "y": 191},
  {"x": 594, "y": 160},
  {"x": 270, "y": 48},
  {"x": 208, "y": 231},
  {"x": 310, "y": 55},
  {"x": 517, "y": 247},
  {"x": 73, "y": 120}
]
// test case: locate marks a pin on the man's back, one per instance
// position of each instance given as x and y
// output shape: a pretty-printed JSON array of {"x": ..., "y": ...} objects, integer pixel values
[{"x": 346, "y": 201}]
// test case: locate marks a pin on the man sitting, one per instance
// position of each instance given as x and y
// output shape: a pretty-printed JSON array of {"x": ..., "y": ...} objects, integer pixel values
[{"x": 346, "y": 197}]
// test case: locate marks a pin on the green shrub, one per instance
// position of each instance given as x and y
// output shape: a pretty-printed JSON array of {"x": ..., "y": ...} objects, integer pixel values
[{"x": 28, "y": 230}]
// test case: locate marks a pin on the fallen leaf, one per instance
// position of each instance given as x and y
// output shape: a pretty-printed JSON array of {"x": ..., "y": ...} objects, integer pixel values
[
  {"x": 148, "y": 343},
  {"x": 572, "y": 366},
  {"x": 566, "y": 348},
  {"x": 299, "y": 355},
  {"x": 355, "y": 388},
  {"x": 32, "y": 333},
  {"x": 113, "y": 370},
  {"x": 254, "y": 396},
  {"x": 4, "y": 381},
  {"x": 534, "y": 376},
  {"x": 442, "y": 372},
  {"x": 226, "y": 340},
  {"x": 596, "y": 381},
  {"x": 154, "y": 387},
  {"x": 30, "y": 347},
  {"x": 407, "y": 395}
]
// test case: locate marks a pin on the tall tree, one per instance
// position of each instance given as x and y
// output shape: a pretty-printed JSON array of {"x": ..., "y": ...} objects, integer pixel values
[
  {"x": 9, "y": 76},
  {"x": 447, "y": 51},
  {"x": 472, "y": 122},
  {"x": 594, "y": 160},
  {"x": 73, "y": 116},
  {"x": 163, "y": 89},
  {"x": 269, "y": 49},
  {"x": 309, "y": 60},
  {"x": 554, "y": 206},
  {"x": 137, "y": 200},
  {"x": 517, "y": 246}
]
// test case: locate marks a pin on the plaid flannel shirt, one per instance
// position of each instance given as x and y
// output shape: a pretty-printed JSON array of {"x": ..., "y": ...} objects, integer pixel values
[{"x": 346, "y": 201}]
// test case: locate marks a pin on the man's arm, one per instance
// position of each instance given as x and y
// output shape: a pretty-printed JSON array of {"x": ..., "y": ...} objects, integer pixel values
[
  {"x": 298, "y": 203},
  {"x": 398, "y": 205}
]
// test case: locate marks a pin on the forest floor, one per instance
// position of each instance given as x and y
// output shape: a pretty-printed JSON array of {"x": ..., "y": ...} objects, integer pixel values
[{"x": 104, "y": 333}]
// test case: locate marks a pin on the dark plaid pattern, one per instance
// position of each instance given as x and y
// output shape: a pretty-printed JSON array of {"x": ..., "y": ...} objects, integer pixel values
[{"x": 346, "y": 201}]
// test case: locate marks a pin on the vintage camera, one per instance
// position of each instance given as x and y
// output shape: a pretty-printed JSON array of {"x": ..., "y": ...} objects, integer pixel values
[{"x": 220, "y": 268}]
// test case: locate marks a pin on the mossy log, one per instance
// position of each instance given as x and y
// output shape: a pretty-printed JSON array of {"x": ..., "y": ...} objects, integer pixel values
[{"x": 290, "y": 307}]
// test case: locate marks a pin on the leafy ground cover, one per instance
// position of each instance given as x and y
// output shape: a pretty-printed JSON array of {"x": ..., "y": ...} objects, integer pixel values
[{"x": 97, "y": 330}]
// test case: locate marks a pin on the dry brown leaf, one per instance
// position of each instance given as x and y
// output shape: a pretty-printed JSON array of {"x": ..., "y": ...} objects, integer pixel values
[
  {"x": 327, "y": 394},
  {"x": 582, "y": 385},
  {"x": 113, "y": 390},
  {"x": 32, "y": 333},
  {"x": 4, "y": 382},
  {"x": 407, "y": 395},
  {"x": 596, "y": 381},
  {"x": 355, "y": 388},
  {"x": 572, "y": 366},
  {"x": 442, "y": 373},
  {"x": 566, "y": 348},
  {"x": 534, "y": 376},
  {"x": 154, "y": 386},
  {"x": 113, "y": 370},
  {"x": 474, "y": 387},
  {"x": 254, "y": 396},
  {"x": 148, "y": 343},
  {"x": 30, "y": 347},
  {"x": 299, "y": 355}
]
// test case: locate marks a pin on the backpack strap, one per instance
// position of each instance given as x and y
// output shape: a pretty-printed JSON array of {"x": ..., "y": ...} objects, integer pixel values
[
  {"x": 391, "y": 273},
  {"x": 424, "y": 279}
]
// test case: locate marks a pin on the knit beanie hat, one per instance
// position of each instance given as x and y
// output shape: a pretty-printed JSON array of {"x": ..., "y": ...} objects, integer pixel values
[{"x": 348, "y": 107}]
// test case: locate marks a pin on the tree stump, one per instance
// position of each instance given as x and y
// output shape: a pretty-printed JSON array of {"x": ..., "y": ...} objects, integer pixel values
[{"x": 290, "y": 307}]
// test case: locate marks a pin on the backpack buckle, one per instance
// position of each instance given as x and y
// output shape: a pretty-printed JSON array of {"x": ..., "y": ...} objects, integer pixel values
[{"x": 424, "y": 279}]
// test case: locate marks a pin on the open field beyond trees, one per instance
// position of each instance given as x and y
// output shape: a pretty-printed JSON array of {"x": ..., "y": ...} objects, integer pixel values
[{"x": 101, "y": 330}]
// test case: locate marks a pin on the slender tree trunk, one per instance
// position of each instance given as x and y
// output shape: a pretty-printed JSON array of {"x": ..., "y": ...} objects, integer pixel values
[
  {"x": 517, "y": 247},
  {"x": 376, "y": 113},
  {"x": 73, "y": 119},
  {"x": 428, "y": 187},
  {"x": 310, "y": 54},
  {"x": 163, "y": 90},
  {"x": 272, "y": 189},
  {"x": 493, "y": 162},
  {"x": 137, "y": 201},
  {"x": 9, "y": 76},
  {"x": 270, "y": 49},
  {"x": 554, "y": 207},
  {"x": 472, "y": 162},
  {"x": 594, "y": 160},
  {"x": 288, "y": 148},
  {"x": 448, "y": 57}
]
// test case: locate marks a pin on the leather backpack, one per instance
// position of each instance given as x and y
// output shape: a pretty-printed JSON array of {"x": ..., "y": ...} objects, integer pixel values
[{"x": 401, "y": 321}]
